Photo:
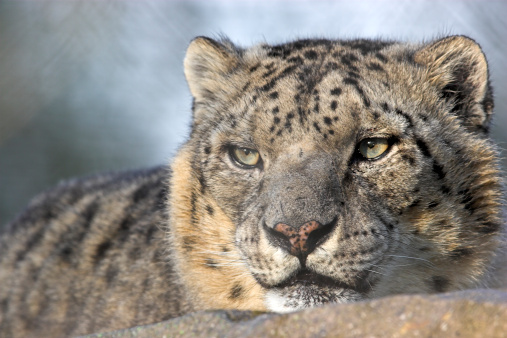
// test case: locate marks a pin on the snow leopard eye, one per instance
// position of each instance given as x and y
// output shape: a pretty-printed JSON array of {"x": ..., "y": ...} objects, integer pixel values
[
  {"x": 373, "y": 148},
  {"x": 245, "y": 157}
]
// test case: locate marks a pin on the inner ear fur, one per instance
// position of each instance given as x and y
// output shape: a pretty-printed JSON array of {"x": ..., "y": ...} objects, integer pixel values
[
  {"x": 457, "y": 66},
  {"x": 207, "y": 65}
]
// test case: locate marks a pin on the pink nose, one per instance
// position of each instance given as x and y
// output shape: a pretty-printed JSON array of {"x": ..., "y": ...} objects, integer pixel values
[{"x": 298, "y": 237}]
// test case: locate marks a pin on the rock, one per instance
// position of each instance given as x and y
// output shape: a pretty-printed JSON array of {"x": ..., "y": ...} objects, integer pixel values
[{"x": 471, "y": 313}]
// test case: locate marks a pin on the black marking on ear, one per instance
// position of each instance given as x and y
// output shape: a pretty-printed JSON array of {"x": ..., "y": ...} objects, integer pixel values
[
  {"x": 439, "y": 283},
  {"x": 211, "y": 263},
  {"x": 236, "y": 291}
]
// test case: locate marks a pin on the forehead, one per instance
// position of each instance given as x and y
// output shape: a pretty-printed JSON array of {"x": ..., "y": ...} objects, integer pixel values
[{"x": 319, "y": 91}]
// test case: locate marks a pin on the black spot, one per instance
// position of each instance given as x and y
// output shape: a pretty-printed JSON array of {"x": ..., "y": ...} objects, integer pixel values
[
  {"x": 381, "y": 57},
  {"x": 353, "y": 74},
  {"x": 406, "y": 117},
  {"x": 433, "y": 204},
  {"x": 193, "y": 201},
  {"x": 461, "y": 253},
  {"x": 488, "y": 227},
  {"x": 375, "y": 67},
  {"x": 316, "y": 107},
  {"x": 311, "y": 55},
  {"x": 328, "y": 121},
  {"x": 210, "y": 210},
  {"x": 408, "y": 158},
  {"x": 355, "y": 84},
  {"x": 414, "y": 203},
  {"x": 275, "y": 110},
  {"x": 236, "y": 291},
  {"x": 334, "y": 104},
  {"x": 423, "y": 147},
  {"x": 101, "y": 250},
  {"x": 150, "y": 234},
  {"x": 316, "y": 126},
  {"x": 276, "y": 120},
  {"x": 376, "y": 115},
  {"x": 385, "y": 107},
  {"x": 188, "y": 243},
  {"x": 336, "y": 91},
  {"x": 268, "y": 86},
  {"x": 268, "y": 73},
  {"x": 439, "y": 283},
  {"x": 445, "y": 189},
  {"x": 111, "y": 274},
  {"x": 207, "y": 150},
  {"x": 295, "y": 59},
  {"x": 254, "y": 68},
  {"x": 439, "y": 170},
  {"x": 211, "y": 263},
  {"x": 273, "y": 95},
  {"x": 331, "y": 132}
]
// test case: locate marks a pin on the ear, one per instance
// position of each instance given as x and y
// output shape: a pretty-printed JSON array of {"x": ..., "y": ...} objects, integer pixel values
[
  {"x": 207, "y": 64},
  {"x": 458, "y": 67}
]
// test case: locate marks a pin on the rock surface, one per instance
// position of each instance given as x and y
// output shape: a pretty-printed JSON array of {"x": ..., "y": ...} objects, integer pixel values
[{"x": 472, "y": 313}]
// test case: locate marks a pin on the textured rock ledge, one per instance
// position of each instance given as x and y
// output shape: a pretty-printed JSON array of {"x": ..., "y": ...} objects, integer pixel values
[{"x": 473, "y": 313}]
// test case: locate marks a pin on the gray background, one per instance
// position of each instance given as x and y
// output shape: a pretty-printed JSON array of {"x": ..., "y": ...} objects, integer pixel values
[{"x": 98, "y": 86}]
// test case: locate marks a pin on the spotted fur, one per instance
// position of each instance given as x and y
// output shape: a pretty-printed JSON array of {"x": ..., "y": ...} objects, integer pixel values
[{"x": 311, "y": 222}]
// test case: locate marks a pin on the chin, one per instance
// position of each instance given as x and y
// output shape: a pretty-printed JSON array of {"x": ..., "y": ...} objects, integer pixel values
[{"x": 306, "y": 290}]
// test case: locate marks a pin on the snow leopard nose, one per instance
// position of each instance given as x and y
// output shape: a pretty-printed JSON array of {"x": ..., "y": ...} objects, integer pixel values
[{"x": 300, "y": 241}]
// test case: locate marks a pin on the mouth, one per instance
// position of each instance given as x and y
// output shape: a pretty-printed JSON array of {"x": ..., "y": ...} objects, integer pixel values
[{"x": 308, "y": 289}]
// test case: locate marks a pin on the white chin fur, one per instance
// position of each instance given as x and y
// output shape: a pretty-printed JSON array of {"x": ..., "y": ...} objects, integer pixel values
[{"x": 277, "y": 303}]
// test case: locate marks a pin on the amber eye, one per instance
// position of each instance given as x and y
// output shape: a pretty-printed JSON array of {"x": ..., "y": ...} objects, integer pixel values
[
  {"x": 372, "y": 148},
  {"x": 245, "y": 156}
]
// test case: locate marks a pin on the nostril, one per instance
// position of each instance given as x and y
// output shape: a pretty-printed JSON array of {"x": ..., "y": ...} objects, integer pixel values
[{"x": 302, "y": 240}]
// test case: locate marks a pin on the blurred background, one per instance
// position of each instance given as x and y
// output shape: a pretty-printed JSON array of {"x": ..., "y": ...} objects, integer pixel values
[{"x": 92, "y": 86}]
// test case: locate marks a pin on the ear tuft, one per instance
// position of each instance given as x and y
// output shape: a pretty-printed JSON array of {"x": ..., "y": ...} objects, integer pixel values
[
  {"x": 207, "y": 63},
  {"x": 458, "y": 67}
]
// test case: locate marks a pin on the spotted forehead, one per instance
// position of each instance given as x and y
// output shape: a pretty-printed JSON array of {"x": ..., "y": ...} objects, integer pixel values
[{"x": 315, "y": 87}]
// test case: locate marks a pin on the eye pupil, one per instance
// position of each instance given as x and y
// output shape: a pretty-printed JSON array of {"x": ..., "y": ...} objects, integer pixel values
[
  {"x": 373, "y": 148},
  {"x": 245, "y": 157}
]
